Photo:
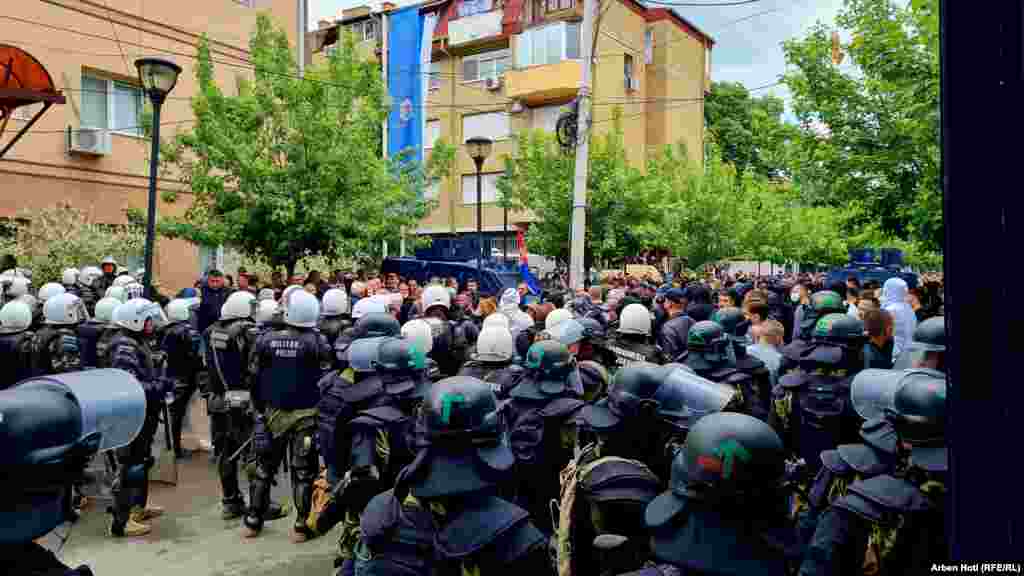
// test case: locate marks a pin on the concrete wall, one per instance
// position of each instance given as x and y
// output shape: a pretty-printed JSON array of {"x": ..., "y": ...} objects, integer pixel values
[{"x": 38, "y": 172}]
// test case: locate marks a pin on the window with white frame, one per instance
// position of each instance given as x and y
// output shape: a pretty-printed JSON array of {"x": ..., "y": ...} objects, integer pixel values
[
  {"x": 471, "y": 7},
  {"x": 648, "y": 46},
  {"x": 493, "y": 125},
  {"x": 431, "y": 134},
  {"x": 370, "y": 29},
  {"x": 548, "y": 44},
  {"x": 488, "y": 188},
  {"x": 435, "y": 76},
  {"x": 433, "y": 190},
  {"x": 545, "y": 117},
  {"x": 486, "y": 65},
  {"x": 628, "y": 72},
  {"x": 111, "y": 105}
]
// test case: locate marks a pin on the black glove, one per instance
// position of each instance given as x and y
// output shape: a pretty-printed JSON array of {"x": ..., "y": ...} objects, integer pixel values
[{"x": 261, "y": 437}]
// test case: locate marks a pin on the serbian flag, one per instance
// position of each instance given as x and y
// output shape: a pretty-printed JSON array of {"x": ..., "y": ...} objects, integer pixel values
[{"x": 524, "y": 265}]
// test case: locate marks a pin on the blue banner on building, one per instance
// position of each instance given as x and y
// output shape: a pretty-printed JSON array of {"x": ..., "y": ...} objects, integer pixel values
[{"x": 409, "y": 37}]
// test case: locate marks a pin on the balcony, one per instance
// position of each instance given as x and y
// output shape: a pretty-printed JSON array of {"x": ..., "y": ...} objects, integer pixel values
[
  {"x": 545, "y": 83},
  {"x": 471, "y": 32},
  {"x": 562, "y": 9}
]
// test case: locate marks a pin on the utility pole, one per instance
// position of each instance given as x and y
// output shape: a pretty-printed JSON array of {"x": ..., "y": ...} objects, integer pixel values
[
  {"x": 579, "y": 194},
  {"x": 302, "y": 10}
]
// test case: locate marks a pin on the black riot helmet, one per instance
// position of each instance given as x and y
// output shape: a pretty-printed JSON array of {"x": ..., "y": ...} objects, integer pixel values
[
  {"x": 376, "y": 324},
  {"x": 631, "y": 396},
  {"x": 550, "y": 358},
  {"x": 841, "y": 329},
  {"x": 827, "y": 302},
  {"x": 592, "y": 329},
  {"x": 927, "y": 348},
  {"x": 729, "y": 455},
  {"x": 707, "y": 337},
  {"x": 460, "y": 425},
  {"x": 398, "y": 355},
  {"x": 732, "y": 320},
  {"x": 918, "y": 414}
]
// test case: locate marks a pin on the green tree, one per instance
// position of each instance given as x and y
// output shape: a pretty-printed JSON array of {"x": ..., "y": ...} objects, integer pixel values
[
  {"x": 880, "y": 159},
  {"x": 749, "y": 131},
  {"x": 540, "y": 178},
  {"x": 50, "y": 240},
  {"x": 289, "y": 167}
]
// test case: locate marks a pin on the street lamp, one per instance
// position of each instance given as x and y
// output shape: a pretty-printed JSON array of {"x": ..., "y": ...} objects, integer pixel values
[
  {"x": 158, "y": 77},
  {"x": 479, "y": 148}
]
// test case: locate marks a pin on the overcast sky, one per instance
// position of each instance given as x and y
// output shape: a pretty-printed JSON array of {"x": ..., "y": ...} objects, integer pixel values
[{"x": 749, "y": 38}]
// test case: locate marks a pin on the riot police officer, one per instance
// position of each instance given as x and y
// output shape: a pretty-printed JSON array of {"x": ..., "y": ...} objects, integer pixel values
[
  {"x": 893, "y": 523},
  {"x": 84, "y": 288},
  {"x": 229, "y": 342},
  {"x": 812, "y": 407},
  {"x": 370, "y": 325},
  {"x": 17, "y": 353},
  {"x": 105, "y": 309},
  {"x": 183, "y": 345},
  {"x": 69, "y": 280},
  {"x": 452, "y": 339},
  {"x": 632, "y": 342},
  {"x": 287, "y": 364},
  {"x": 418, "y": 332},
  {"x": 49, "y": 290},
  {"x": 443, "y": 512},
  {"x": 335, "y": 307},
  {"x": 708, "y": 354},
  {"x": 57, "y": 343},
  {"x": 108, "y": 269},
  {"x": 493, "y": 360},
  {"x": 724, "y": 512},
  {"x": 541, "y": 425},
  {"x": 733, "y": 323},
  {"x": 822, "y": 303},
  {"x": 137, "y": 320}
]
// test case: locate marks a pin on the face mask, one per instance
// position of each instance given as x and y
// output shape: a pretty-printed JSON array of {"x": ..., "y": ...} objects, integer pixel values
[{"x": 794, "y": 296}]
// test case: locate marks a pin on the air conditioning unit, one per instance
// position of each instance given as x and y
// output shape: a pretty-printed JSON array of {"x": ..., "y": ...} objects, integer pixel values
[
  {"x": 492, "y": 83},
  {"x": 88, "y": 141},
  {"x": 632, "y": 84}
]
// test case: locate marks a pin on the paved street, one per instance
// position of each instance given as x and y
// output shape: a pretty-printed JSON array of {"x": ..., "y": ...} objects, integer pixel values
[{"x": 191, "y": 539}]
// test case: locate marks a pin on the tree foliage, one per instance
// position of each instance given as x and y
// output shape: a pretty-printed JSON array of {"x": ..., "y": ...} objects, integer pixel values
[
  {"x": 50, "y": 240},
  {"x": 289, "y": 167},
  {"x": 749, "y": 131},
  {"x": 540, "y": 178},
  {"x": 880, "y": 161}
]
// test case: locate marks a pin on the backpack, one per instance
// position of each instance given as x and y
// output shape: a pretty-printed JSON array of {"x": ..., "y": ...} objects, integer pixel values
[{"x": 614, "y": 490}]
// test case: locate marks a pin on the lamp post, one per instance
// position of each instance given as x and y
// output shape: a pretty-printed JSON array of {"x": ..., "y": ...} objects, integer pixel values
[
  {"x": 158, "y": 77},
  {"x": 479, "y": 148}
]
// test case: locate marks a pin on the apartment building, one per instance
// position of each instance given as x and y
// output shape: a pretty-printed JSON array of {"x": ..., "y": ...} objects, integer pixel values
[
  {"x": 90, "y": 152},
  {"x": 501, "y": 66}
]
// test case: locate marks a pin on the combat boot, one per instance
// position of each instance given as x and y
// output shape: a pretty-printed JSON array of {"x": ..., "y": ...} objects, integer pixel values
[
  {"x": 233, "y": 509},
  {"x": 140, "y": 514},
  {"x": 131, "y": 529}
]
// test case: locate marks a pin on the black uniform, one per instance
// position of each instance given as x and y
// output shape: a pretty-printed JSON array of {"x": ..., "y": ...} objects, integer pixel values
[
  {"x": 89, "y": 333},
  {"x": 181, "y": 342},
  {"x": 17, "y": 358},
  {"x": 287, "y": 364},
  {"x": 57, "y": 350},
  {"x": 129, "y": 352},
  {"x": 503, "y": 376},
  {"x": 673, "y": 334},
  {"x": 630, "y": 349},
  {"x": 333, "y": 326}
]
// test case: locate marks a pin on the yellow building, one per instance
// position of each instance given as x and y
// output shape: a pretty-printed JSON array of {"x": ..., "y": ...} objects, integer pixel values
[
  {"x": 501, "y": 66},
  {"x": 511, "y": 66},
  {"x": 90, "y": 152}
]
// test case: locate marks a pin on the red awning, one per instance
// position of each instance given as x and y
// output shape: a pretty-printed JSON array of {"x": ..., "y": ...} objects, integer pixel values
[{"x": 23, "y": 81}]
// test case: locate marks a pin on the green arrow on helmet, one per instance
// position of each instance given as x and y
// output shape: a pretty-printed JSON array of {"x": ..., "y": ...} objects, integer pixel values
[
  {"x": 551, "y": 358},
  {"x": 706, "y": 336},
  {"x": 839, "y": 329},
  {"x": 827, "y": 302}
]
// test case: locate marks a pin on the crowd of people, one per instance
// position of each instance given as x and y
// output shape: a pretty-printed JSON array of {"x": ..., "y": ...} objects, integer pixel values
[{"x": 709, "y": 425}]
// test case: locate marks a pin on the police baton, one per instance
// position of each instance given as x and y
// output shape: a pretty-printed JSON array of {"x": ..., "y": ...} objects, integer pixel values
[{"x": 238, "y": 452}]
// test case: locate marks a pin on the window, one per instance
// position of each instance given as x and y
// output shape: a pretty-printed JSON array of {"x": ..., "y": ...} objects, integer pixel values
[
  {"x": 433, "y": 190},
  {"x": 471, "y": 7},
  {"x": 549, "y": 44},
  {"x": 370, "y": 30},
  {"x": 111, "y": 105},
  {"x": 545, "y": 117},
  {"x": 493, "y": 125},
  {"x": 486, "y": 65},
  {"x": 435, "y": 76},
  {"x": 554, "y": 5},
  {"x": 488, "y": 188},
  {"x": 648, "y": 46},
  {"x": 627, "y": 70},
  {"x": 432, "y": 133}
]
